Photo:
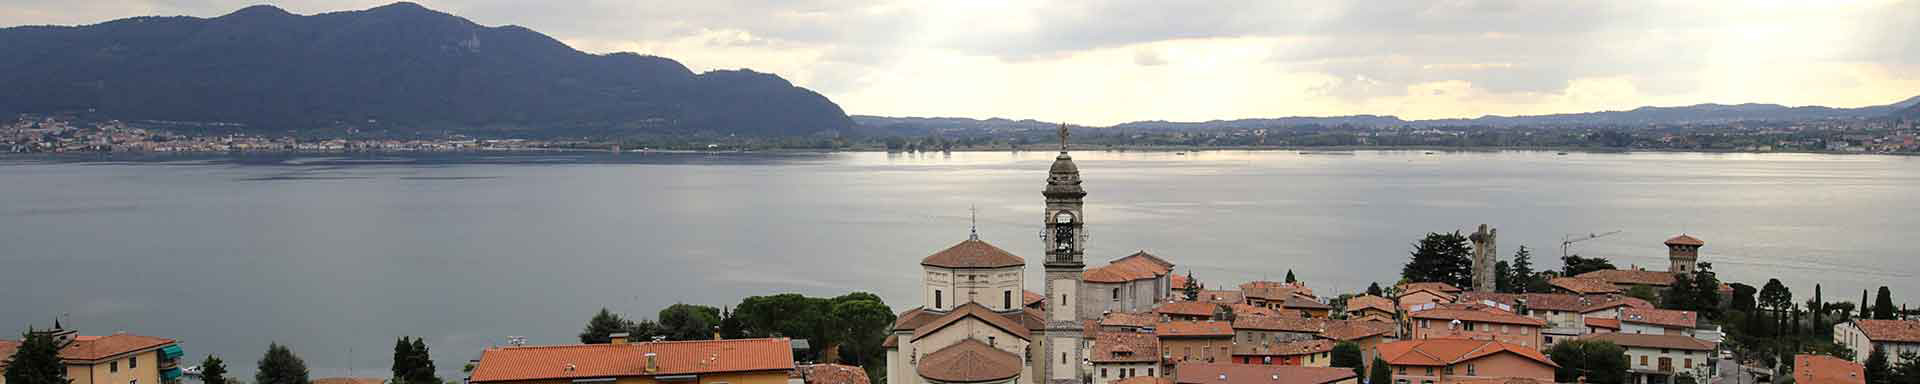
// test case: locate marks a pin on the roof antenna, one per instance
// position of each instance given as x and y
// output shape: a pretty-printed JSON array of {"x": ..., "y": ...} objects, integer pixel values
[{"x": 973, "y": 226}]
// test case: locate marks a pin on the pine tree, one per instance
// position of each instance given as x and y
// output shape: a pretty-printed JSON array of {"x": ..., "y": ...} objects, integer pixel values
[
  {"x": 1374, "y": 289},
  {"x": 1524, "y": 278},
  {"x": 1878, "y": 371},
  {"x": 213, "y": 370},
  {"x": 1379, "y": 372},
  {"x": 1502, "y": 277},
  {"x": 422, "y": 371},
  {"x": 1866, "y": 310},
  {"x": 1883, "y": 305},
  {"x": 1193, "y": 287},
  {"x": 1440, "y": 257},
  {"x": 280, "y": 366},
  {"x": 402, "y": 359},
  {"x": 602, "y": 325},
  {"x": 1347, "y": 354},
  {"x": 1290, "y": 279},
  {"x": 37, "y": 361}
]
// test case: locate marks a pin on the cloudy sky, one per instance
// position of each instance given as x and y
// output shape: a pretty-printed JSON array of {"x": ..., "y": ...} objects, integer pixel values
[{"x": 1103, "y": 62}]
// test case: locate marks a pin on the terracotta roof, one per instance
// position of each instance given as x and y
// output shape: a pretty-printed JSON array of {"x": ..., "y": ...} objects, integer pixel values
[
  {"x": 1159, "y": 264},
  {"x": 1222, "y": 297},
  {"x": 1823, "y": 369},
  {"x": 1584, "y": 285},
  {"x": 610, "y": 360},
  {"x": 1193, "y": 329},
  {"x": 1279, "y": 323},
  {"x": 347, "y": 380},
  {"x": 831, "y": 374},
  {"x": 1631, "y": 276},
  {"x": 970, "y": 361},
  {"x": 7, "y": 347},
  {"x": 1652, "y": 341},
  {"x": 973, "y": 310},
  {"x": 1434, "y": 286},
  {"x": 1145, "y": 380},
  {"x": 1029, "y": 298},
  {"x": 1129, "y": 319},
  {"x": 1476, "y": 313},
  {"x": 1349, "y": 330},
  {"x": 1564, "y": 302},
  {"x": 1186, "y": 308},
  {"x": 1292, "y": 348},
  {"x": 1244, "y": 309},
  {"x": 1200, "y": 373},
  {"x": 1442, "y": 352},
  {"x": 913, "y": 318},
  {"x": 1303, "y": 303},
  {"x": 1661, "y": 317},
  {"x": 892, "y": 341},
  {"x": 1903, "y": 331},
  {"x": 1274, "y": 290},
  {"x": 1125, "y": 270},
  {"x": 973, "y": 253},
  {"x": 1601, "y": 322},
  {"x": 92, "y": 348},
  {"x": 1685, "y": 240},
  {"x": 1125, "y": 347},
  {"x": 1357, "y": 303}
]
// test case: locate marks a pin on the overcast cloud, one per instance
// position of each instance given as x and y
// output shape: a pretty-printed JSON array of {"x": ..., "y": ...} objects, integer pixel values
[{"x": 1103, "y": 62}]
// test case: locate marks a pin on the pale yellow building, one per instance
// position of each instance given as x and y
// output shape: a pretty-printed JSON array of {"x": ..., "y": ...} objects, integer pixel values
[{"x": 120, "y": 358}]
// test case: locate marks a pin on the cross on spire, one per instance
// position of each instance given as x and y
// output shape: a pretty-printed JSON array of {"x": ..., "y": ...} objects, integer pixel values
[
  {"x": 973, "y": 222},
  {"x": 1063, "y": 137}
]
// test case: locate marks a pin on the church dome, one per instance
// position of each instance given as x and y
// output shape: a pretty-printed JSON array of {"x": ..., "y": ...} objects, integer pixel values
[
  {"x": 1064, "y": 164},
  {"x": 973, "y": 253}
]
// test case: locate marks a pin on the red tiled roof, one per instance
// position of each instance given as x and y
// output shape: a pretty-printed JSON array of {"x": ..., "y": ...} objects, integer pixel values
[
  {"x": 1292, "y": 348},
  {"x": 1631, "y": 276},
  {"x": 1661, "y": 317},
  {"x": 1221, "y": 297},
  {"x": 973, "y": 253},
  {"x": 611, "y": 360},
  {"x": 7, "y": 347},
  {"x": 92, "y": 348},
  {"x": 1279, "y": 323},
  {"x": 1904, "y": 331},
  {"x": 1125, "y": 347},
  {"x": 1139, "y": 266},
  {"x": 1601, "y": 322},
  {"x": 1442, "y": 352},
  {"x": 1129, "y": 319},
  {"x": 1823, "y": 369},
  {"x": 1349, "y": 330},
  {"x": 1274, "y": 290},
  {"x": 1162, "y": 265},
  {"x": 1685, "y": 240},
  {"x": 1029, "y": 298},
  {"x": 1357, "y": 303},
  {"x": 832, "y": 374},
  {"x": 1244, "y": 309},
  {"x": 1194, "y": 329},
  {"x": 1584, "y": 285},
  {"x": 977, "y": 311},
  {"x": 1201, "y": 373},
  {"x": 1303, "y": 303},
  {"x": 1564, "y": 302},
  {"x": 1434, "y": 286},
  {"x": 970, "y": 361},
  {"x": 892, "y": 341},
  {"x": 1641, "y": 340},
  {"x": 1476, "y": 313},
  {"x": 1186, "y": 308}
]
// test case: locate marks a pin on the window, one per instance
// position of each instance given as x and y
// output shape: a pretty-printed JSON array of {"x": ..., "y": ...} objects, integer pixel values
[
  {"x": 1063, "y": 357},
  {"x": 1403, "y": 370},
  {"x": 1429, "y": 371},
  {"x": 990, "y": 341},
  {"x": 1468, "y": 325},
  {"x": 936, "y": 300},
  {"x": 1688, "y": 364},
  {"x": 133, "y": 362},
  {"x": 1116, "y": 294},
  {"x": 1470, "y": 370},
  {"x": 113, "y": 366},
  {"x": 1448, "y": 370},
  {"x": 1149, "y": 371},
  {"x": 1643, "y": 361},
  {"x": 1103, "y": 373},
  {"x": 1006, "y": 299}
]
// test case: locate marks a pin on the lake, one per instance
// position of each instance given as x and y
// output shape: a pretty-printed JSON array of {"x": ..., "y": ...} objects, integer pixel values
[{"x": 337, "y": 256}]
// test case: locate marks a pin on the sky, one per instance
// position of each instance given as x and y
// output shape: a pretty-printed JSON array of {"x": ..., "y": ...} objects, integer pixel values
[{"x": 1099, "y": 62}]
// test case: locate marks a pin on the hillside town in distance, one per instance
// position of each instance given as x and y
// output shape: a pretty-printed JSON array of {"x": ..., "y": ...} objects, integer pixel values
[
  {"x": 1458, "y": 311},
  {"x": 37, "y": 133}
]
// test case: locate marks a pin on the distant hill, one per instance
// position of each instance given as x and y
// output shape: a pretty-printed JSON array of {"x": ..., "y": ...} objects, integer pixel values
[{"x": 399, "y": 66}]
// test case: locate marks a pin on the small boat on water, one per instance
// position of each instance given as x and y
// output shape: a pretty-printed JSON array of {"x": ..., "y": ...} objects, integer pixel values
[{"x": 1562, "y": 154}]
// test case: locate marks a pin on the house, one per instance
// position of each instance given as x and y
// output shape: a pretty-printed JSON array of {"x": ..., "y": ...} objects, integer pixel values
[
  {"x": 1195, "y": 341},
  {"x": 1272, "y": 294},
  {"x": 1450, "y": 361},
  {"x": 1657, "y": 321},
  {"x": 1256, "y": 330},
  {"x": 1033, "y": 300},
  {"x": 1582, "y": 286},
  {"x": 1476, "y": 321},
  {"x": 741, "y": 361},
  {"x": 1893, "y": 337},
  {"x": 1295, "y": 305},
  {"x": 1661, "y": 358},
  {"x": 117, "y": 358},
  {"x": 1415, "y": 294},
  {"x": 1567, "y": 315},
  {"x": 1601, "y": 325},
  {"x": 1221, "y": 297},
  {"x": 1122, "y": 355},
  {"x": 1244, "y": 309},
  {"x": 1201, "y": 373},
  {"x": 1683, "y": 253},
  {"x": 1823, "y": 369},
  {"x": 1187, "y": 310},
  {"x": 1367, "y": 334},
  {"x": 1309, "y": 353},
  {"x": 1129, "y": 284},
  {"x": 1364, "y": 306},
  {"x": 1128, "y": 322}
]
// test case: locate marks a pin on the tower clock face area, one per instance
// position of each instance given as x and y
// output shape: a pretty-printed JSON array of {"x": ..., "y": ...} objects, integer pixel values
[{"x": 1063, "y": 231}]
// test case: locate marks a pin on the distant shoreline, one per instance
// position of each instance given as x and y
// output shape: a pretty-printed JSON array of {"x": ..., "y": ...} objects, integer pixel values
[{"x": 131, "y": 155}]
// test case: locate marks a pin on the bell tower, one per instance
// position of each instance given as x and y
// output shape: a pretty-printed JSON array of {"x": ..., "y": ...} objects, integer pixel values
[
  {"x": 1684, "y": 253},
  {"x": 1065, "y": 239}
]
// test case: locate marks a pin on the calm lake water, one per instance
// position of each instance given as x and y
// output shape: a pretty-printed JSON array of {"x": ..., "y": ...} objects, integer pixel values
[{"x": 337, "y": 256}]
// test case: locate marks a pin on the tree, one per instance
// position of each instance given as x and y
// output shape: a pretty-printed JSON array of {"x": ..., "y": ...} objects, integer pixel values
[
  {"x": 1347, "y": 355},
  {"x": 37, "y": 361},
  {"x": 1374, "y": 290},
  {"x": 1440, "y": 257},
  {"x": 1290, "y": 279},
  {"x": 1192, "y": 288},
  {"x": 1777, "y": 297},
  {"x": 421, "y": 365},
  {"x": 1524, "y": 277},
  {"x": 1743, "y": 297},
  {"x": 1574, "y": 265},
  {"x": 1866, "y": 309},
  {"x": 602, "y": 325},
  {"x": 402, "y": 359},
  {"x": 1698, "y": 291},
  {"x": 1883, "y": 304},
  {"x": 213, "y": 370},
  {"x": 1908, "y": 371},
  {"x": 1600, "y": 362},
  {"x": 1819, "y": 309},
  {"x": 867, "y": 323},
  {"x": 280, "y": 366},
  {"x": 689, "y": 322},
  {"x": 1877, "y": 369},
  {"x": 1379, "y": 372},
  {"x": 1503, "y": 277}
]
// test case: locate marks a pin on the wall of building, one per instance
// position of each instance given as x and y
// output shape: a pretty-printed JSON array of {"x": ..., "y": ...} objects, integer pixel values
[
  {"x": 1850, "y": 336},
  {"x": 1648, "y": 359},
  {"x": 1204, "y": 350},
  {"x": 1106, "y": 373},
  {"x": 145, "y": 369},
  {"x": 1523, "y": 335},
  {"x": 760, "y": 377},
  {"x": 1131, "y": 296},
  {"x": 1264, "y": 337},
  {"x": 1421, "y": 297},
  {"x": 999, "y": 289},
  {"x": 1501, "y": 365}
]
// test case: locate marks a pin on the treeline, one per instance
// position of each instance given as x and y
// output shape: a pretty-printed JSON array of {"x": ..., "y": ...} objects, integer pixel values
[{"x": 847, "y": 329}]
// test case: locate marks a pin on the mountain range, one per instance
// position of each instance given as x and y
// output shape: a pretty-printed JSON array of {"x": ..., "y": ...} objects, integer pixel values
[{"x": 400, "y": 66}]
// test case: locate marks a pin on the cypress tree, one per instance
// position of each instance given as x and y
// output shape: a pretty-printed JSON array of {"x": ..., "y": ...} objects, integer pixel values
[
  {"x": 1380, "y": 373},
  {"x": 1878, "y": 371},
  {"x": 423, "y": 370},
  {"x": 37, "y": 361},
  {"x": 402, "y": 359},
  {"x": 281, "y": 366},
  {"x": 213, "y": 370},
  {"x": 1883, "y": 305},
  {"x": 1290, "y": 279}
]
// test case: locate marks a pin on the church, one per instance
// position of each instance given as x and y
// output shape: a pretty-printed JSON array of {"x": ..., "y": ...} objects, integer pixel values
[{"x": 975, "y": 326}]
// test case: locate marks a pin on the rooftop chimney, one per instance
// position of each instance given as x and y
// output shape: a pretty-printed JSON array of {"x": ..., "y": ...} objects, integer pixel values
[
  {"x": 619, "y": 338},
  {"x": 653, "y": 362}
]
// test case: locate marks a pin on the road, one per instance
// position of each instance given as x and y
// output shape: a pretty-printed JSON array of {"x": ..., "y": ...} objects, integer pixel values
[{"x": 1732, "y": 373}]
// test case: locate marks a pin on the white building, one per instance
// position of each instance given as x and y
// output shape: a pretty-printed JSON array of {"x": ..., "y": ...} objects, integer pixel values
[{"x": 1894, "y": 337}]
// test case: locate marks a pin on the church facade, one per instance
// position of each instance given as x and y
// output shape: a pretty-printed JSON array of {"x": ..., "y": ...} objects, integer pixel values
[{"x": 974, "y": 326}]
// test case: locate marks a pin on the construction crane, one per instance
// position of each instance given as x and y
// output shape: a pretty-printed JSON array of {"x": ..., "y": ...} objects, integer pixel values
[{"x": 1566, "y": 242}]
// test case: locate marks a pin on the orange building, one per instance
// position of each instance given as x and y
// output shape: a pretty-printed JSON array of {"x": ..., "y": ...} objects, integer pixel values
[
  {"x": 742, "y": 361},
  {"x": 113, "y": 359},
  {"x": 1201, "y": 373},
  {"x": 1449, "y": 361},
  {"x": 1195, "y": 341},
  {"x": 1478, "y": 322},
  {"x": 1310, "y": 353}
]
